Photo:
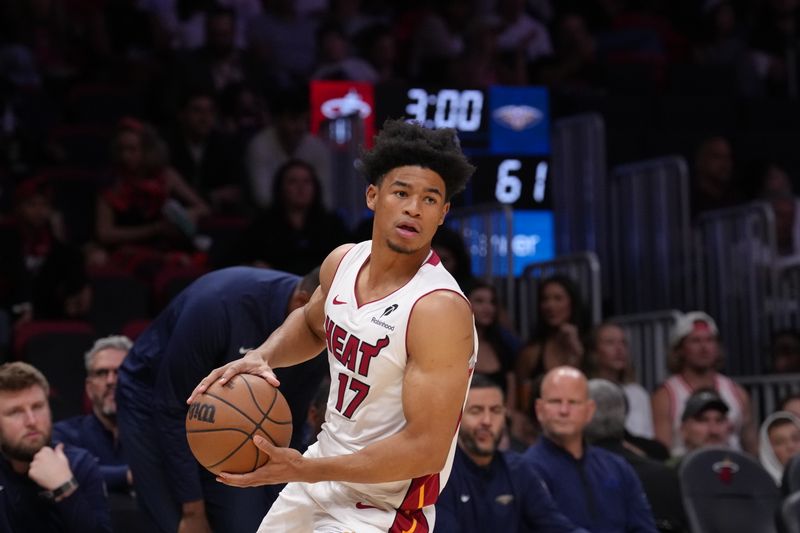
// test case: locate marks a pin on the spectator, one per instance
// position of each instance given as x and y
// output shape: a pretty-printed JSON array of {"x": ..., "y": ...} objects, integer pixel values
[
  {"x": 184, "y": 23},
  {"x": 284, "y": 40},
  {"x": 712, "y": 182},
  {"x": 133, "y": 210},
  {"x": 316, "y": 415},
  {"x": 791, "y": 404},
  {"x": 214, "y": 320},
  {"x": 61, "y": 290},
  {"x": 288, "y": 138},
  {"x": 243, "y": 112},
  {"x": 97, "y": 431},
  {"x": 439, "y": 38},
  {"x": 27, "y": 238},
  {"x": 450, "y": 248},
  {"x": 775, "y": 187},
  {"x": 771, "y": 37},
  {"x": 520, "y": 31},
  {"x": 497, "y": 347},
  {"x": 218, "y": 63},
  {"x": 296, "y": 233},
  {"x": 779, "y": 441},
  {"x": 489, "y": 489},
  {"x": 335, "y": 60},
  {"x": 595, "y": 488},
  {"x": 609, "y": 359},
  {"x": 704, "y": 422},
  {"x": 350, "y": 15},
  {"x": 695, "y": 354},
  {"x": 45, "y": 489},
  {"x": 557, "y": 338},
  {"x": 208, "y": 160},
  {"x": 785, "y": 351},
  {"x": 722, "y": 43},
  {"x": 575, "y": 66},
  {"x": 378, "y": 46},
  {"x": 660, "y": 483}
]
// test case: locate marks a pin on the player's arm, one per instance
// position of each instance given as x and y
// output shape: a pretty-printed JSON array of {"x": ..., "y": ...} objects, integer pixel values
[
  {"x": 440, "y": 343},
  {"x": 662, "y": 419},
  {"x": 300, "y": 337}
]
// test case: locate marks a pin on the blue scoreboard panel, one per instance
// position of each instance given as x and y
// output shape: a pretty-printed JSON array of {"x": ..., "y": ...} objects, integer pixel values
[{"x": 505, "y": 131}]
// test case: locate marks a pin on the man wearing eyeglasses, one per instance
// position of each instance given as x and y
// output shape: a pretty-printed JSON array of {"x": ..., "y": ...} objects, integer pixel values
[{"x": 97, "y": 432}]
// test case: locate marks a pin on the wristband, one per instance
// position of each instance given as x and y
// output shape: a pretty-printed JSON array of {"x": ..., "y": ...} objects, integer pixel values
[{"x": 58, "y": 492}]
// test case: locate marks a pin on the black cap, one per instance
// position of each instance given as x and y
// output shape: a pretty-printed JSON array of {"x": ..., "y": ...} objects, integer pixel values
[{"x": 701, "y": 401}]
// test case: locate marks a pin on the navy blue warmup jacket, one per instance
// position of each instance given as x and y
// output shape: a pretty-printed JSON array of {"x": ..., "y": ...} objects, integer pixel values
[
  {"x": 23, "y": 510},
  {"x": 508, "y": 495},
  {"x": 212, "y": 322},
  {"x": 600, "y": 491},
  {"x": 88, "y": 432}
]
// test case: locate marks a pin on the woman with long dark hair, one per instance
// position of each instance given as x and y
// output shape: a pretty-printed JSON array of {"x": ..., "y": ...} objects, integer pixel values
[
  {"x": 296, "y": 232},
  {"x": 557, "y": 338}
]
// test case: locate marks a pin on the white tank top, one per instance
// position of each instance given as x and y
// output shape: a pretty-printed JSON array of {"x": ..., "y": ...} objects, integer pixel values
[
  {"x": 367, "y": 357},
  {"x": 679, "y": 391}
]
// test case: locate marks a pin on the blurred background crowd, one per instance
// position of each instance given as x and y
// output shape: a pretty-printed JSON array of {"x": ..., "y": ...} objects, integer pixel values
[{"x": 144, "y": 143}]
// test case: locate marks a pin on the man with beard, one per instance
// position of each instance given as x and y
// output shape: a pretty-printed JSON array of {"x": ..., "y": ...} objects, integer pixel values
[
  {"x": 489, "y": 489},
  {"x": 97, "y": 431},
  {"x": 42, "y": 488}
]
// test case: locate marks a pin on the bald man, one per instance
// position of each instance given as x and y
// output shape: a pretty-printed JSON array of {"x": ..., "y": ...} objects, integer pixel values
[{"x": 596, "y": 489}]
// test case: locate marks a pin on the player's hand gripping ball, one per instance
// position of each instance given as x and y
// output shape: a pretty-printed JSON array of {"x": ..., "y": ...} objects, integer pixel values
[{"x": 222, "y": 422}]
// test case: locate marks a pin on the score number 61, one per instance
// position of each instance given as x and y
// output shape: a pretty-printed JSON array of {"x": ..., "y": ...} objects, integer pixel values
[{"x": 508, "y": 187}]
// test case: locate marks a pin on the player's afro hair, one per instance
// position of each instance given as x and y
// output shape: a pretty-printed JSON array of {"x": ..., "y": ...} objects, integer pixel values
[{"x": 403, "y": 143}]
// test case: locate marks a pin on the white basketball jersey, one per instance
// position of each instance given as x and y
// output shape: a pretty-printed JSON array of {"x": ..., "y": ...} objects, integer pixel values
[
  {"x": 366, "y": 344},
  {"x": 679, "y": 392}
]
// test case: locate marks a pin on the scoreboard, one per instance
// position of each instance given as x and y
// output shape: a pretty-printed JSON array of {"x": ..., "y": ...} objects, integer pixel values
[{"x": 505, "y": 132}]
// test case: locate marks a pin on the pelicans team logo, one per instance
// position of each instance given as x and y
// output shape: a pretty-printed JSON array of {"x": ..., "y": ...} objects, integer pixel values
[{"x": 517, "y": 117}]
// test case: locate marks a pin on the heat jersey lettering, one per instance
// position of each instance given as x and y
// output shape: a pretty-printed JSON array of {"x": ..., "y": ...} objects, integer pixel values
[{"x": 351, "y": 351}]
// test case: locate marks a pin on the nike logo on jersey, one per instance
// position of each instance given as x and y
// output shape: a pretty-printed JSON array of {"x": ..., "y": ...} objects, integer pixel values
[
  {"x": 243, "y": 350},
  {"x": 464, "y": 498},
  {"x": 337, "y": 301},
  {"x": 360, "y": 505}
]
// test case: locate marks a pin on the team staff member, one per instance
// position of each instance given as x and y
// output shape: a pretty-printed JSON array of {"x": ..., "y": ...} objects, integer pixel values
[{"x": 214, "y": 320}]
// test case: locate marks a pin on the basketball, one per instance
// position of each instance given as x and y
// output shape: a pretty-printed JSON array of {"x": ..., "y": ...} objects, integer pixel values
[{"x": 222, "y": 422}]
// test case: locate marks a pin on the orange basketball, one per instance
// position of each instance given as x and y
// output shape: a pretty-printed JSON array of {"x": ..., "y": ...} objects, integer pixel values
[{"x": 222, "y": 422}]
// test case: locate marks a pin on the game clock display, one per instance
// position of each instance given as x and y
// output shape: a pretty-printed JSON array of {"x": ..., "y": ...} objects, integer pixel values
[{"x": 503, "y": 130}]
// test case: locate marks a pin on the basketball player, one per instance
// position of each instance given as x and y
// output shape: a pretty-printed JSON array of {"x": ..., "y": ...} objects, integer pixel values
[{"x": 401, "y": 348}]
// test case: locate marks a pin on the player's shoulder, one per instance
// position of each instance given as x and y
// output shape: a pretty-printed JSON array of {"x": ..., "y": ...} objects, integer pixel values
[
  {"x": 331, "y": 264},
  {"x": 444, "y": 299},
  {"x": 441, "y": 308}
]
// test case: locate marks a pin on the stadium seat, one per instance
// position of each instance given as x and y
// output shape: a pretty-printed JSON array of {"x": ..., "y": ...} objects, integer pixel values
[
  {"x": 84, "y": 145},
  {"x": 57, "y": 349},
  {"x": 134, "y": 328},
  {"x": 74, "y": 195},
  {"x": 727, "y": 491},
  {"x": 171, "y": 280},
  {"x": 101, "y": 103},
  {"x": 118, "y": 298},
  {"x": 790, "y": 513},
  {"x": 791, "y": 476}
]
